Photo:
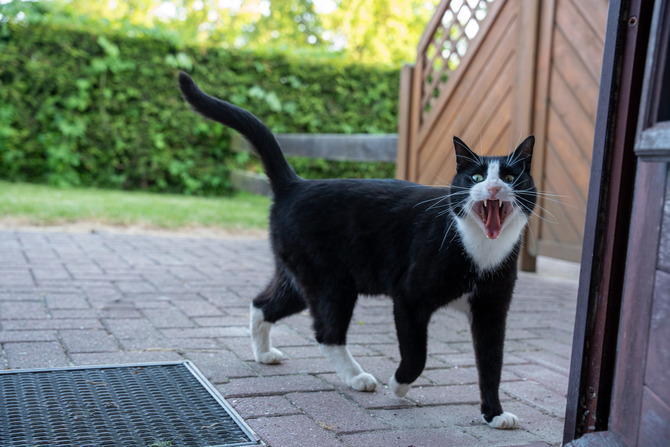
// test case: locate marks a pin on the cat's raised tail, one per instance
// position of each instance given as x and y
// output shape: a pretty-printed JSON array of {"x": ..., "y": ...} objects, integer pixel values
[{"x": 280, "y": 173}]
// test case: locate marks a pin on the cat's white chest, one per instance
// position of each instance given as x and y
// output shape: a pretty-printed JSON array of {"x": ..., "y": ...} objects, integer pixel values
[{"x": 489, "y": 253}]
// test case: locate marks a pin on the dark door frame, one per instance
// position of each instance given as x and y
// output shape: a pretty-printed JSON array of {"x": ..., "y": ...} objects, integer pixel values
[{"x": 606, "y": 235}]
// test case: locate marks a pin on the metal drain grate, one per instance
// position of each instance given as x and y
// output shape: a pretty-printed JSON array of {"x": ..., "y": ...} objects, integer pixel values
[{"x": 151, "y": 405}]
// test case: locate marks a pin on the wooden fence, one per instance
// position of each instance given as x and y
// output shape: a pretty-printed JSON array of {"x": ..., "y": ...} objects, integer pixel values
[{"x": 494, "y": 71}]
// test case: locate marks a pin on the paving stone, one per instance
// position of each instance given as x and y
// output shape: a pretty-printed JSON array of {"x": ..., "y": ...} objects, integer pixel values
[
  {"x": 135, "y": 287},
  {"x": 460, "y": 360},
  {"x": 429, "y": 417},
  {"x": 537, "y": 395},
  {"x": 241, "y": 346},
  {"x": 219, "y": 366},
  {"x": 54, "y": 323},
  {"x": 268, "y": 386},
  {"x": 487, "y": 436},
  {"x": 461, "y": 376},
  {"x": 130, "y": 328},
  {"x": 382, "y": 397},
  {"x": 26, "y": 335},
  {"x": 47, "y": 354},
  {"x": 196, "y": 306},
  {"x": 20, "y": 310},
  {"x": 48, "y": 272},
  {"x": 89, "y": 340},
  {"x": 404, "y": 438},
  {"x": 169, "y": 317},
  {"x": 74, "y": 314},
  {"x": 66, "y": 301},
  {"x": 85, "y": 270},
  {"x": 12, "y": 278},
  {"x": 291, "y": 431},
  {"x": 549, "y": 378},
  {"x": 173, "y": 344},
  {"x": 335, "y": 412},
  {"x": 446, "y": 395},
  {"x": 266, "y": 406},
  {"x": 293, "y": 366},
  {"x": 207, "y": 332}
]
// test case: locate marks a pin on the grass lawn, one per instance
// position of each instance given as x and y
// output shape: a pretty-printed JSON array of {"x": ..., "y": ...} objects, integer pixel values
[{"x": 44, "y": 205}]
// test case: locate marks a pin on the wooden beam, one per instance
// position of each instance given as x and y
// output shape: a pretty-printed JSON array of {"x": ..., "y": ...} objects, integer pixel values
[
  {"x": 341, "y": 147},
  {"x": 522, "y": 120},
  {"x": 404, "y": 113}
]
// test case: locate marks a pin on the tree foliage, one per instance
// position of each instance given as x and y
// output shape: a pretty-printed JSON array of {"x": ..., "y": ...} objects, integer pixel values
[{"x": 364, "y": 31}]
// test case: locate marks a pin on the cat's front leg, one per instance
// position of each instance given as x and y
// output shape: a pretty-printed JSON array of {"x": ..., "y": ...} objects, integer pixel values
[
  {"x": 412, "y": 328},
  {"x": 489, "y": 314}
]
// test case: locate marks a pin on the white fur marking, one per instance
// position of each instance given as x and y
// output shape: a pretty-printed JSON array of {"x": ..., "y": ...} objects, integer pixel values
[
  {"x": 488, "y": 253},
  {"x": 493, "y": 174},
  {"x": 399, "y": 389},
  {"x": 347, "y": 368},
  {"x": 462, "y": 304},
  {"x": 260, "y": 338},
  {"x": 504, "y": 421}
]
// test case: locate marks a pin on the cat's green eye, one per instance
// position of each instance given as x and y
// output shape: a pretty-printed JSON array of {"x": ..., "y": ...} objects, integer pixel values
[
  {"x": 478, "y": 178},
  {"x": 509, "y": 178}
]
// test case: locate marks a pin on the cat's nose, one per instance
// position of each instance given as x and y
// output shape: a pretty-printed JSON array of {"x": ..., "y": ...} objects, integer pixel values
[{"x": 494, "y": 190}]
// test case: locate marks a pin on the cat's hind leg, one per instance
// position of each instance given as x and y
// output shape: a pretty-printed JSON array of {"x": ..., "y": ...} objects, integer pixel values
[
  {"x": 332, "y": 313},
  {"x": 279, "y": 299}
]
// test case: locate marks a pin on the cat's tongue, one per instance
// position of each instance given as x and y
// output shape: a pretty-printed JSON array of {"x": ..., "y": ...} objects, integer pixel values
[{"x": 493, "y": 224}]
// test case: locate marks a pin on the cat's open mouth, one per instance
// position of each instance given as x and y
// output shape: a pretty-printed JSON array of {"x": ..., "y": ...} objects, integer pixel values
[{"x": 492, "y": 214}]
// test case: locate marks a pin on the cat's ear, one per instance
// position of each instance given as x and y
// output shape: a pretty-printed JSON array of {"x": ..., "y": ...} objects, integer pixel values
[
  {"x": 524, "y": 153},
  {"x": 464, "y": 156}
]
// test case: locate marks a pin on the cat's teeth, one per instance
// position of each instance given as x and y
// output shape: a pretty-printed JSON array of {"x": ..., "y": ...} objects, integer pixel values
[
  {"x": 500, "y": 203},
  {"x": 486, "y": 203}
]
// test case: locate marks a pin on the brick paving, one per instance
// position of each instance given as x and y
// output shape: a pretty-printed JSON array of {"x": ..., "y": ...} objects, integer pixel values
[{"x": 101, "y": 298}]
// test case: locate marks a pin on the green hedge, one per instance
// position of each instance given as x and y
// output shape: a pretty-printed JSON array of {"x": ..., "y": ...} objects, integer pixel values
[{"x": 78, "y": 108}]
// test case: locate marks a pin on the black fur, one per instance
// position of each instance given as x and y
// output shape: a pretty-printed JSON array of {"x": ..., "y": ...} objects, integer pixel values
[{"x": 336, "y": 239}]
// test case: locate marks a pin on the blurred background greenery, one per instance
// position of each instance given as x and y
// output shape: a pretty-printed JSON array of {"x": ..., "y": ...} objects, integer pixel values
[{"x": 88, "y": 93}]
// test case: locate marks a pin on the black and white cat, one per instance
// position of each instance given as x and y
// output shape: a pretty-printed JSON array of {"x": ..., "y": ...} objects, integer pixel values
[{"x": 424, "y": 247}]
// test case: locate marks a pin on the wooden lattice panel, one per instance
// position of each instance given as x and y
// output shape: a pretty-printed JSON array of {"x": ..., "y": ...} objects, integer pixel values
[{"x": 460, "y": 22}]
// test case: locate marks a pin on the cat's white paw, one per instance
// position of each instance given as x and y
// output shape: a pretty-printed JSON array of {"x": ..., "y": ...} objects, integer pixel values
[
  {"x": 363, "y": 382},
  {"x": 399, "y": 389},
  {"x": 271, "y": 357},
  {"x": 504, "y": 421}
]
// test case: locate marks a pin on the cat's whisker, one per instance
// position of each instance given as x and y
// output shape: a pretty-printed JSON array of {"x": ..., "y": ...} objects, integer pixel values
[
  {"x": 554, "y": 198},
  {"x": 532, "y": 235},
  {"x": 437, "y": 204},
  {"x": 440, "y": 199},
  {"x": 481, "y": 142},
  {"x": 561, "y": 202},
  {"x": 446, "y": 233},
  {"x": 553, "y": 219}
]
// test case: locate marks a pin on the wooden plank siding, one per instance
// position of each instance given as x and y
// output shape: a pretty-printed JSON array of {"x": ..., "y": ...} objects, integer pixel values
[
  {"x": 566, "y": 111},
  {"x": 533, "y": 68}
]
